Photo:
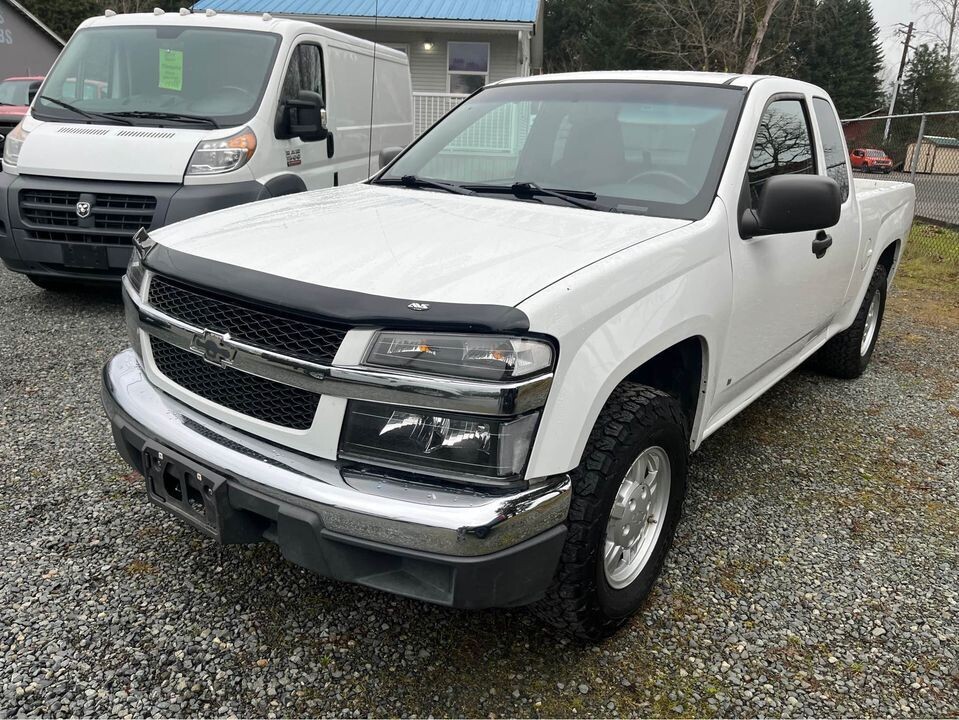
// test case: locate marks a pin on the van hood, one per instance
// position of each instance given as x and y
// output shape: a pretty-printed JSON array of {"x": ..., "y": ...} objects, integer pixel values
[
  {"x": 111, "y": 152},
  {"x": 413, "y": 244}
]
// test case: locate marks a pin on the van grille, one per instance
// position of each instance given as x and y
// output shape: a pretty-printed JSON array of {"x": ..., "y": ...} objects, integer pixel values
[
  {"x": 261, "y": 327},
  {"x": 116, "y": 216},
  {"x": 257, "y": 397}
]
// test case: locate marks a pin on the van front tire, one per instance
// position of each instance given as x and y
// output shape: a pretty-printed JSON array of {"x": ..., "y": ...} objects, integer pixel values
[{"x": 628, "y": 494}]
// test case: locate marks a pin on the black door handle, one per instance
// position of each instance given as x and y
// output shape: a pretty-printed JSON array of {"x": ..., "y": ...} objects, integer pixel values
[{"x": 821, "y": 244}]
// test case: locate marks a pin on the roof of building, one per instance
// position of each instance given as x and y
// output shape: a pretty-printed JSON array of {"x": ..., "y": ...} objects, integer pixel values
[
  {"x": 36, "y": 21},
  {"x": 941, "y": 141},
  {"x": 475, "y": 10}
]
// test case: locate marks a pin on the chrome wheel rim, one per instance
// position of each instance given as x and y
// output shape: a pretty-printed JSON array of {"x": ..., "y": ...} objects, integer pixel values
[
  {"x": 637, "y": 517},
  {"x": 872, "y": 322}
]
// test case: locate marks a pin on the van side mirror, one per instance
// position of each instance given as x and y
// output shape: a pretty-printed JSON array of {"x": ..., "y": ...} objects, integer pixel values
[
  {"x": 305, "y": 118},
  {"x": 388, "y": 155},
  {"x": 793, "y": 203},
  {"x": 32, "y": 92}
]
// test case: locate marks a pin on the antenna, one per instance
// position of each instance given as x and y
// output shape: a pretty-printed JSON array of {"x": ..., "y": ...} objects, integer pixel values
[{"x": 376, "y": 20}]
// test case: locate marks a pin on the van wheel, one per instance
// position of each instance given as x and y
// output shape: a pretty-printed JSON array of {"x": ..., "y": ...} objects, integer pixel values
[
  {"x": 848, "y": 354},
  {"x": 628, "y": 494}
]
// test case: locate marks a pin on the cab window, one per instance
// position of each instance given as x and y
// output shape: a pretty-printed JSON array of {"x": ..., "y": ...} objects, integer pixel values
[
  {"x": 783, "y": 145},
  {"x": 832, "y": 145}
]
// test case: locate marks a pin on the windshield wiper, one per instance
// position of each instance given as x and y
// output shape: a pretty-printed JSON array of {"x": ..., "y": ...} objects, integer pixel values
[
  {"x": 174, "y": 117},
  {"x": 84, "y": 113},
  {"x": 580, "y": 198},
  {"x": 412, "y": 181}
]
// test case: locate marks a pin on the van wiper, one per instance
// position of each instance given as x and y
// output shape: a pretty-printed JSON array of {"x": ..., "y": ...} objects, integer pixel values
[
  {"x": 173, "y": 117},
  {"x": 85, "y": 113},
  {"x": 412, "y": 181},
  {"x": 580, "y": 198}
]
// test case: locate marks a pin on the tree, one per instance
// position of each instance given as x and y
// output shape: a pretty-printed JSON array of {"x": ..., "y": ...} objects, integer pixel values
[
  {"x": 843, "y": 56},
  {"x": 594, "y": 35},
  {"x": 929, "y": 84},
  {"x": 741, "y": 36},
  {"x": 63, "y": 16},
  {"x": 942, "y": 17}
]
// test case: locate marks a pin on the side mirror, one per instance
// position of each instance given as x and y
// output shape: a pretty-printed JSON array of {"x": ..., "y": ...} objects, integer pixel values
[
  {"x": 32, "y": 93},
  {"x": 388, "y": 155},
  {"x": 305, "y": 117},
  {"x": 793, "y": 203}
]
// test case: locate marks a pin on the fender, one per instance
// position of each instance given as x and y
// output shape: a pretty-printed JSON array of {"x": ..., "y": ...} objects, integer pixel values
[
  {"x": 285, "y": 185},
  {"x": 613, "y": 316},
  {"x": 882, "y": 225}
]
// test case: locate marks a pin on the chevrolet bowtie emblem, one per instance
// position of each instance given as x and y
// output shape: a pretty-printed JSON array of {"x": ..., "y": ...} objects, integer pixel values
[{"x": 214, "y": 347}]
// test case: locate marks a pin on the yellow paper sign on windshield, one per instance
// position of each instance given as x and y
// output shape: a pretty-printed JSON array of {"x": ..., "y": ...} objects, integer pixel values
[{"x": 171, "y": 69}]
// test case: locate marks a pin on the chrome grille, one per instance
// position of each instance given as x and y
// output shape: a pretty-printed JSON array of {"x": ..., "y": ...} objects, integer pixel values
[
  {"x": 257, "y": 397},
  {"x": 261, "y": 327}
]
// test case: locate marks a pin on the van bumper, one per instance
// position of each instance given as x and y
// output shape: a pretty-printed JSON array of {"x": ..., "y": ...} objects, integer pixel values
[
  {"x": 54, "y": 242},
  {"x": 455, "y": 547}
]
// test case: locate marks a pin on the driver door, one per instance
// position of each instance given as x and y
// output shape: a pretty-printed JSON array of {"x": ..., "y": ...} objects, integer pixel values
[
  {"x": 782, "y": 294},
  {"x": 309, "y": 160}
]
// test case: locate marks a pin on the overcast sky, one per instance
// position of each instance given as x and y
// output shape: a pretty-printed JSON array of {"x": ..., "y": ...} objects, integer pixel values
[{"x": 888, "y": 13}]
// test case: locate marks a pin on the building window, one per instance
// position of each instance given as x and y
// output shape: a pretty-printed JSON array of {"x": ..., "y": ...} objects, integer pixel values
[{"x": 467, "y": 66}]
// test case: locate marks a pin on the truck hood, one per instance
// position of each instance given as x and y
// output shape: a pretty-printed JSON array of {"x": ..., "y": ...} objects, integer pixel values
[
  {"x": 111, "y": 152},
  {"x": 414, "y": 244}
]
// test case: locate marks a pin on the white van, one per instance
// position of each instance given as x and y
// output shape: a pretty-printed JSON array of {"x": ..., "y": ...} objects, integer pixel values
[{"x": 146, "y": 119}]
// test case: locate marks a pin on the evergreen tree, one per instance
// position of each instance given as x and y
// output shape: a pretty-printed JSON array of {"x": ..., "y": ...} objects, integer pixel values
[
  {"x": 843, "y": 56},
  {"x": 63, "y": 16},
  {"x": 929, "y": 83}
]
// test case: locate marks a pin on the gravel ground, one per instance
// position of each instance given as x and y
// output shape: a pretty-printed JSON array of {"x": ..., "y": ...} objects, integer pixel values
[{"x": 815, "y": 571}]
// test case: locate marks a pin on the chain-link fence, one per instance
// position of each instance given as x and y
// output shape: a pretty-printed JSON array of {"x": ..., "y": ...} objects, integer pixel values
[{"x": 922, "y": 149}]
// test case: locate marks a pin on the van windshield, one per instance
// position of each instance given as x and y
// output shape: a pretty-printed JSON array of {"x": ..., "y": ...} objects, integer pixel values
[
  {"x": 159, "y": 76},
  {"x": 635, "y": 147}
]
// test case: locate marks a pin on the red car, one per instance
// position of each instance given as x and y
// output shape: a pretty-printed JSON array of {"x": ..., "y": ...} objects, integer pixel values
[
  {"x": 16, "y": 94},
  {"x": 870, "y": 160}
]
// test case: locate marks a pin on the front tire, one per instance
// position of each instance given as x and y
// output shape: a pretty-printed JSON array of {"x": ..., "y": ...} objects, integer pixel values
[
  {"x": 628, "y": 494},
  {"x": 848, "y": 354}
]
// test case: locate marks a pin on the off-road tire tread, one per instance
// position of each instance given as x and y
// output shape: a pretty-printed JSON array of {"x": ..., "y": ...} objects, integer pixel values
[
  {"x": 840, "y": 355},
  {"x": 570, "y": 603}
]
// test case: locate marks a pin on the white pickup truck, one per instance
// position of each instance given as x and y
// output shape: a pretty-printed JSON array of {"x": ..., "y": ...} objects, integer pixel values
[{"x": 476, "y": 379}]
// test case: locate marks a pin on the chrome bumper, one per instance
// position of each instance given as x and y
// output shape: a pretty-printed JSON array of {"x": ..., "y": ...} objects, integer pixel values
[{"x": 401, "y": 514}]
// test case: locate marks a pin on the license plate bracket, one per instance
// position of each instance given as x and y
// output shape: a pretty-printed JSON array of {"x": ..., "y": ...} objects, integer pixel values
[
  {"x": 184, "y": 488},
  {"x": 85, "y": 257}
]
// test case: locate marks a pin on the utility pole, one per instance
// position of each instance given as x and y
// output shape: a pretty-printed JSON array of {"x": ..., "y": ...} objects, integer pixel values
[{"x": 895, "y": 88}]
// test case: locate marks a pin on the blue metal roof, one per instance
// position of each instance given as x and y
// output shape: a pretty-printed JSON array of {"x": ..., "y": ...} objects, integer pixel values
[{"x": 490, "y": 10}]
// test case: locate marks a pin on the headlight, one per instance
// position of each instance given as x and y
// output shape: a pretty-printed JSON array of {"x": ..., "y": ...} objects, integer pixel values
[
  {"x": 449, "y": 444},
  {"x": 469, "y": 356},
  {"x": 135, "y": 269},
  {"x": 13, "y": 143},
  {"x": 219, "y": 156}
]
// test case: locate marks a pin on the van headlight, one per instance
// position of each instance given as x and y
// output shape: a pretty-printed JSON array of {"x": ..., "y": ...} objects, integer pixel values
[
  {"x": 224, "y": 155},
  {"x": 436, "y": 442},
  {"x": 13, "y": 143},
  {"x": 478, "y": 357}
]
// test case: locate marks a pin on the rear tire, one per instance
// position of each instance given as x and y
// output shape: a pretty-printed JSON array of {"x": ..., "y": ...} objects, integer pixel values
[
  {"x": 848, "y": 354},
  {"x": 628, "y": 494}
]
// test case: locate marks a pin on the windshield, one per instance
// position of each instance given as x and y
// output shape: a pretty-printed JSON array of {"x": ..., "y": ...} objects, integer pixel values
[
  {"x": 214, "y": 74},
  {"x": 16, "y": 92},
  {"x": 649, "y": 148}
]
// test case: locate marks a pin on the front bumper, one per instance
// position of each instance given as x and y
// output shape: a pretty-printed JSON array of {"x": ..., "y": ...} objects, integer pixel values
[
  {"x": 44, "y": 249},
  {"x": 464, "y": 548}
]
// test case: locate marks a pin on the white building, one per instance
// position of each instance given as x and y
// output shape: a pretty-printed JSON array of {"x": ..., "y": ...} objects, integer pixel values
[{"x": 454, "y": 47}]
